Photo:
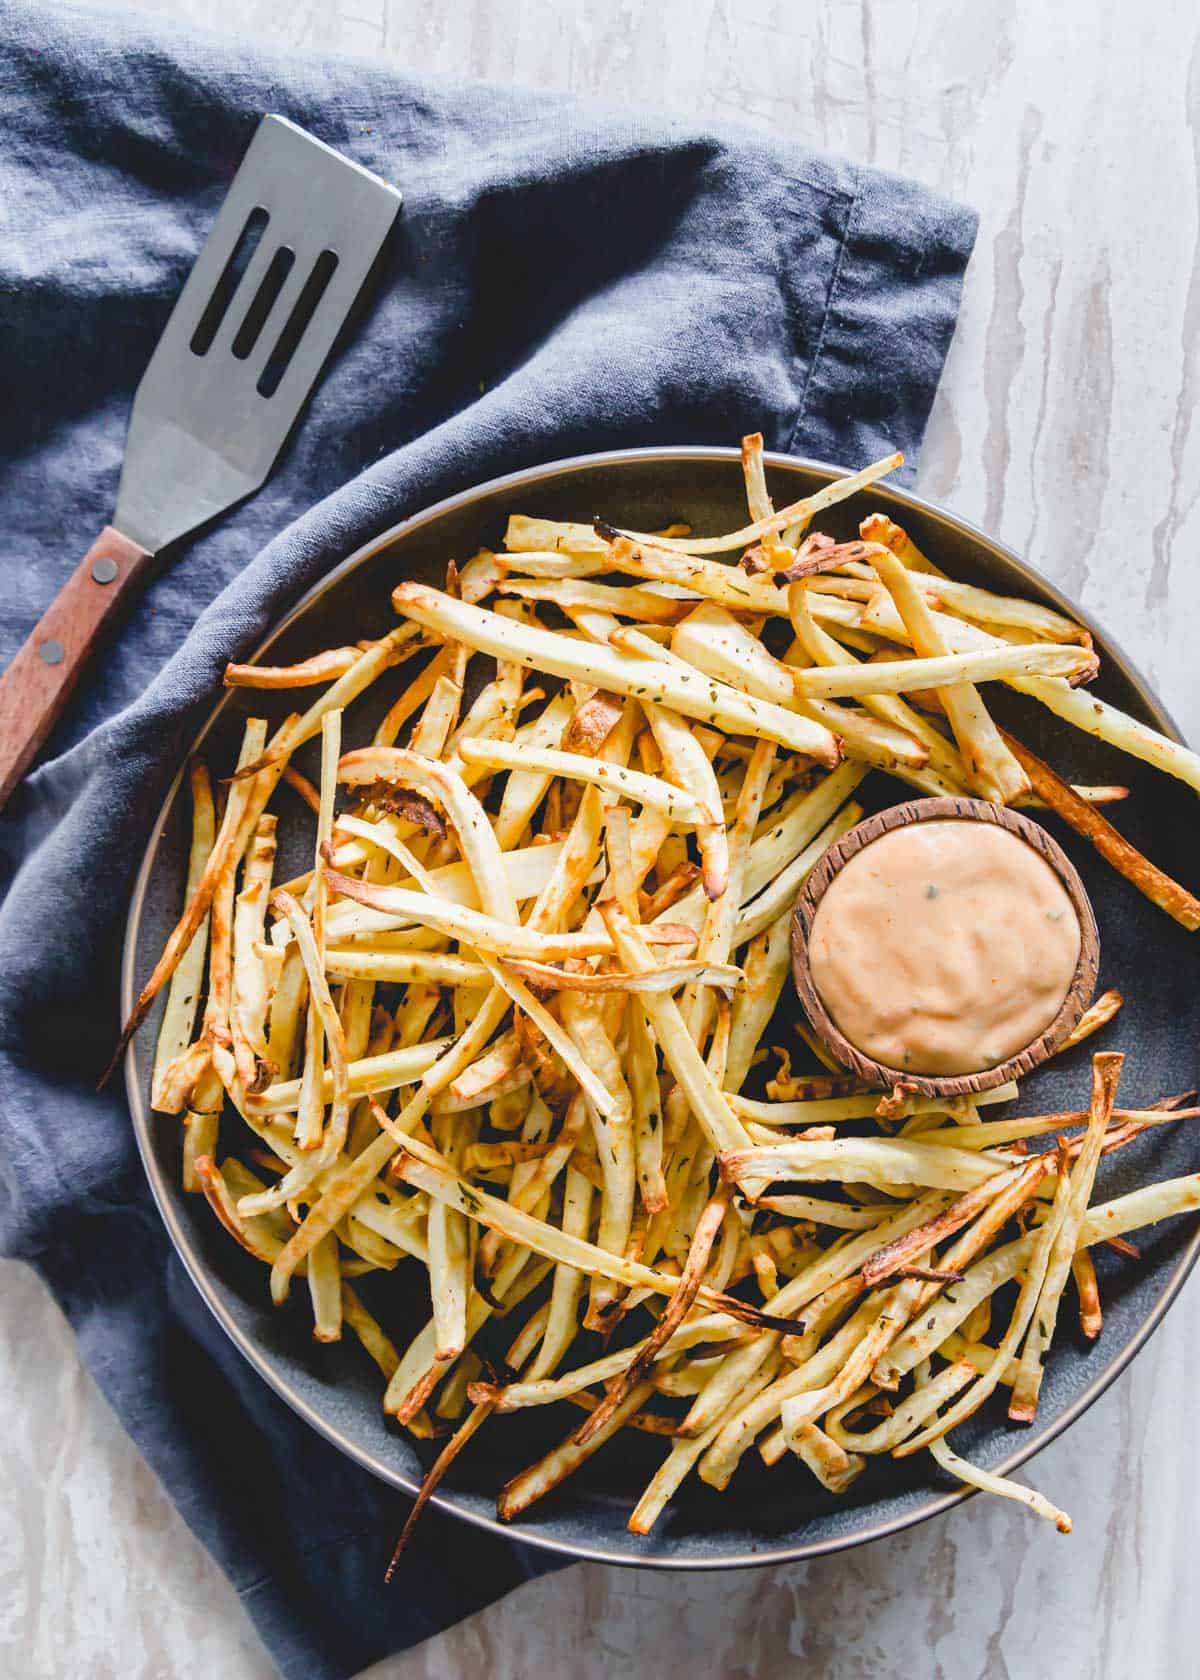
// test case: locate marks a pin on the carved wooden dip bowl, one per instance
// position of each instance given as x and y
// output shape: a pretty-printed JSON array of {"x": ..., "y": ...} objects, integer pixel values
[{"x": 967, "y": 967}]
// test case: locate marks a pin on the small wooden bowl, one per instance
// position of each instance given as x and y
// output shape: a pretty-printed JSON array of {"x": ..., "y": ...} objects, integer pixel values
[{"x": 851, "y": 843}]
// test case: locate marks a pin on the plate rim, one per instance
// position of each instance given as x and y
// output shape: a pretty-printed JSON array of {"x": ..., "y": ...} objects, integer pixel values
[{"x": 794, "y": 1551}]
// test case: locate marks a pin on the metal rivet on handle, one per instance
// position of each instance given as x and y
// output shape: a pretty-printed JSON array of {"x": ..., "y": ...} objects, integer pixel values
[
  {"x": 52, "y": 652},
  {"x": 104, "y": 570}
]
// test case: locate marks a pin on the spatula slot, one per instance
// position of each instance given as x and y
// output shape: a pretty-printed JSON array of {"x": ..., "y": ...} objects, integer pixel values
[
  {"x": 254, "y": 320},
  {"x": 222, "y": 293},
  {"x": 303, "y": 310}
]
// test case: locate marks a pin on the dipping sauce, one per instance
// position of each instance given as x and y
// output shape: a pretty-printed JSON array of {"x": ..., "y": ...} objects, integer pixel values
[{"x": 944, "y": 947}]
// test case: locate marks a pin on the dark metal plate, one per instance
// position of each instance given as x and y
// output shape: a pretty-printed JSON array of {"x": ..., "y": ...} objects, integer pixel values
[{"x": 764, "y": 1517}]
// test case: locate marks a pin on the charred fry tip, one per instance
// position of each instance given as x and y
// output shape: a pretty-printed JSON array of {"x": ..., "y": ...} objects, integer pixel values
[
  {"x": 483, "y": 1287},
  {"x": 1183, "y": 1099},
  {"x": 137, "y": 1016},
  {"x": 437, "y": 1470},
  {"x": 264, "y": 1074},
  {"x": 931, "y": 1274},
  {"x": 1085, "y": 674},
  {"x": 755, "y": 1317},
  {"x": 1122, "y": 1245},
  {"x": 267, "y": 762}
]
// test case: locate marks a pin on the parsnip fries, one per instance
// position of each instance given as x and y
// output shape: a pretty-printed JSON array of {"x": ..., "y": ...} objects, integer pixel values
[{"x": 503, "y": 1037}]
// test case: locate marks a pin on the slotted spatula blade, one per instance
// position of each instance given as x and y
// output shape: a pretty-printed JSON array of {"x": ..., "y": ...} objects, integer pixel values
[
  {"x": 293, "y": 242},
  {"x": 295, "y": 239}
]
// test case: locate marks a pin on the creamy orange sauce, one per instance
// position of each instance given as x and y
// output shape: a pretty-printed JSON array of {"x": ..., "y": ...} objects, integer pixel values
[{"x": 944, "y": 947}]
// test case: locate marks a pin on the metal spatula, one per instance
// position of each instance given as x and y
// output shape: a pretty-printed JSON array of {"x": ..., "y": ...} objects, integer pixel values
[{"x": 287, "y": 256}]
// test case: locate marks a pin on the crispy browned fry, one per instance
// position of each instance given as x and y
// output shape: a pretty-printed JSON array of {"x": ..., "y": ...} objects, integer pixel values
[
  {"x": 540, "y": 1478},
  {"x": 836, "y": 491},
  {"x": 1106, "y": 1071},
  {"x": 609, "y": 668},
  {"x": 437, "y": 723},
  {"x": 322, "y": 667},
  {"x": 1097, "y": 1015},
  {"x": 994, "y": 771},
  {"x": 178, "y": 1080},
  {"x": 228, "y": 845},
  {"x": 248, "y": 1233},
  {"x": 415, "y": 1163},
  {"x": 1091, "y": 1316},
  {"x": 412, "y": 698},
  {"x": 877, "y": 527},
  {"x": 973, "y": 1476},
  {"x": 813, "y": 1087},
  {"x": 482, "y": 1157},
  {"x": 490, "y": 1070},
  {"x": 334, "y": 1204},
  {"x": 370, "y": 1333},
  {"x": 407, "y": 805},
  {"x": 177, "y": 1062},
  {"x": 217, "y": 1033},
  {"x": 894, "y": 1256},
  {"x": 593, "y": 723},
  {"x": 474, "y": 1421},
  {"x": 250, "y": 988},
  {"x": 646, "y": 1423},
  {"x": 1122, "y": 1245},
  {"x": 321, "y": 1003},
  {"x": 818, "y": 554},
  {"x": 1113, "y": 847},
  {"x": 1125, "y": 1122},
  {"x": 483, "y": 931},
  {"x": 680, "y": 1304},
  {"x": 974, "y": 1240},
  {"x": 904, "y": 676},
  {"x": 758, "y": 499},
  {"x": 1027, "y": 1297},
  {"x": 666, "y": 978},
  {"x": 709, "y": 1106},
  {"x": 669, "y": 891}
]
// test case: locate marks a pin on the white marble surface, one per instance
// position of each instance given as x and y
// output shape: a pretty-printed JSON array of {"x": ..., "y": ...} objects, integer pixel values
[{"x": 1066, "y": 424}]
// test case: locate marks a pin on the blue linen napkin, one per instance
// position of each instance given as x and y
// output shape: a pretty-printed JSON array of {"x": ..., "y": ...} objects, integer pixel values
[{"x": 564, "y": 279}]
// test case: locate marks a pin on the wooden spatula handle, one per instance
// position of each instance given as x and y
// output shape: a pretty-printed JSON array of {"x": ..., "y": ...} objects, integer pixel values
[{"x": 38, "y": 683}]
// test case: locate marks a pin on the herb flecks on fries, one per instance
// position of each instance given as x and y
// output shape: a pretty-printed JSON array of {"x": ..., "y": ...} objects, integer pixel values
[{"x": 497, "y": 1038}]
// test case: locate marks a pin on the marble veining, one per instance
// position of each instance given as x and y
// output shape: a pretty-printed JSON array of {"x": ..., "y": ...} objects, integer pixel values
[{"x": 1066, "y": 425}]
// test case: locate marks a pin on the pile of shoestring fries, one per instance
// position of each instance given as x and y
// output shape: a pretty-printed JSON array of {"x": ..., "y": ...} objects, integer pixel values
[{"x": 497, "y": 1040}]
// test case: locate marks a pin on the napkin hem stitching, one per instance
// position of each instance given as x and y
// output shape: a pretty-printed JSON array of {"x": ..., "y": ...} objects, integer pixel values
[{"x": 826, "y": 317}]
